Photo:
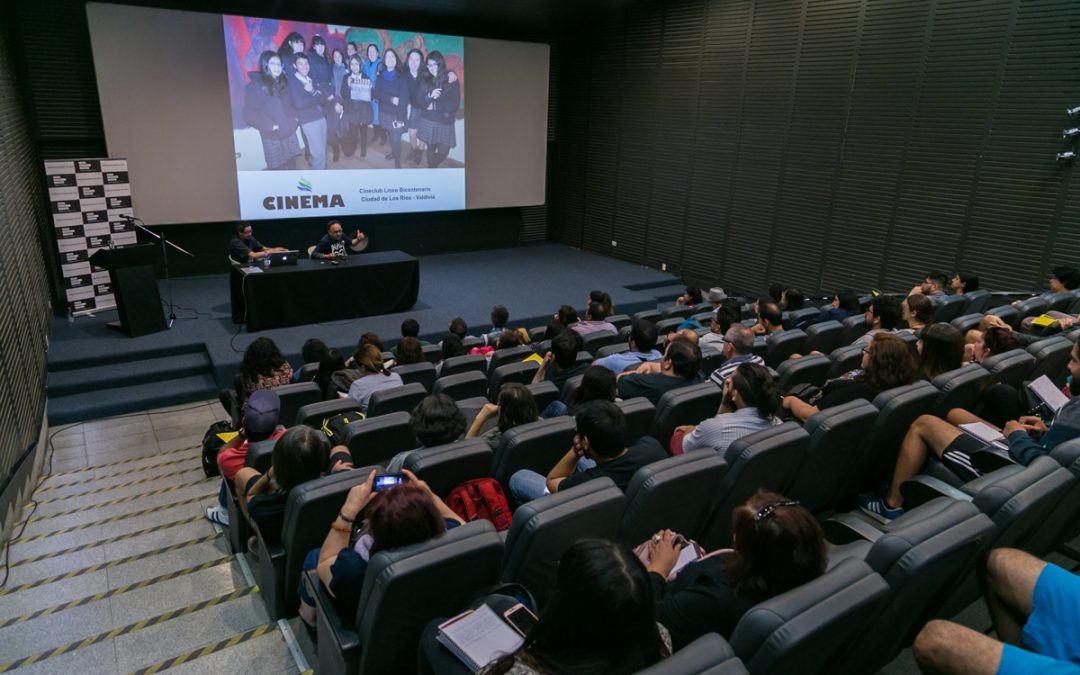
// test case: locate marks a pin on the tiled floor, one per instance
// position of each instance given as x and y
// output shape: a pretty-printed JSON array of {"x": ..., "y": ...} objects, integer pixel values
[{"x": 131, "y": 491}]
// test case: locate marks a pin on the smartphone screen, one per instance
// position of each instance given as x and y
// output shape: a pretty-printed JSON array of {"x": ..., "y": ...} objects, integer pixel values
[
  {"x": 388, "y": 481},
  {"x": 520, "y": 618}
]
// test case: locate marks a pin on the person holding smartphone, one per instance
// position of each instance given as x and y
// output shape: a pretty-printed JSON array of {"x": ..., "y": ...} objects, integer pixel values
[
  {"x": 600, "y": 617},
  {"x": 392, "y": 94},
  {"x": 405, "y": 512}
]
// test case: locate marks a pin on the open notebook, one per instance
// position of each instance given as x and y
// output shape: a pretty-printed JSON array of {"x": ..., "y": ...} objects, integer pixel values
[
  {"x": 479, "y": 637},
  {"x": 985, "y": 433},
  {"x": 1045, "y": 391}
]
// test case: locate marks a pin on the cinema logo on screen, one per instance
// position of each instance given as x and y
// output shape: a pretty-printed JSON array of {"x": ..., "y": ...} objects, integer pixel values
[{"x": 308, "y": 200}]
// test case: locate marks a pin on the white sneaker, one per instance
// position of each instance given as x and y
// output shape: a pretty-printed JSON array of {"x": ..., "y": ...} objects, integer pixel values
[{"x": 216, "y": 514}]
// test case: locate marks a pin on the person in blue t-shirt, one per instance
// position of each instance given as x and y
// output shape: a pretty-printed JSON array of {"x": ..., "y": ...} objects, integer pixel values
[{"x": 642, "y": 340}]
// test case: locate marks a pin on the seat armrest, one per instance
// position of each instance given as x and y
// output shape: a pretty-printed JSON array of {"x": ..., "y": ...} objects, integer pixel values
[
  {"x": 270, "y": 571},
  {"x": 344, "y": 637},
  {"x": 991, "y": 459},
  {"x": 848, "y": 527},
  {"x": 922, "y": 489}
]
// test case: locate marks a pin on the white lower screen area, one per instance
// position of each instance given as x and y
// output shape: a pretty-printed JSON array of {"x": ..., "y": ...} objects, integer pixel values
[{"x": 265, "y": 195}]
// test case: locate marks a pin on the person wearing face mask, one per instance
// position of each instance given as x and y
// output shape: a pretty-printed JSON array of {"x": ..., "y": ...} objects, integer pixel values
[
  {"x": 266, "y": 108},
  {"x": 1028, "y": 437}
]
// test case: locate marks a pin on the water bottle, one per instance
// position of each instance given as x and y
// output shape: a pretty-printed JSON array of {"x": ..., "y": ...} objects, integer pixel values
[
  {"x": 71, "y": 315},
  {"x": 266, "y": 261}
]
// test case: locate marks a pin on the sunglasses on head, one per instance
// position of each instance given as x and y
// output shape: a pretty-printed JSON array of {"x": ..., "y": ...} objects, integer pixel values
[{"x": 767, "y": 510}]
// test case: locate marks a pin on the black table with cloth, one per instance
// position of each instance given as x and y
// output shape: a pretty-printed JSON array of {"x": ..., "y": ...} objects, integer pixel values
[{"x": 314, "y": 291}]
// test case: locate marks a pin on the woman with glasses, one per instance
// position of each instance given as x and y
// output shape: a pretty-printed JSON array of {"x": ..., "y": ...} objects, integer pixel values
[
  {"x": 266, "y": 109},
  {"x": 440, "y": 98},
  {"x": 778, "y": 546}
]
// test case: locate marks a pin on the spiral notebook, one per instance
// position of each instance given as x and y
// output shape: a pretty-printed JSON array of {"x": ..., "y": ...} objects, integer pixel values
[{"x": 479, "y": 637}]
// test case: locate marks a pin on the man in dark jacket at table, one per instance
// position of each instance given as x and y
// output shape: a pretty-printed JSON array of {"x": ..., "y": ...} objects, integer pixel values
[{"x": 244, "y": 248}]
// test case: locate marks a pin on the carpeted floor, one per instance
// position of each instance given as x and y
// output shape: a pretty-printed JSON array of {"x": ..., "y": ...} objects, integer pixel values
[{"x": 532, "y": 282}]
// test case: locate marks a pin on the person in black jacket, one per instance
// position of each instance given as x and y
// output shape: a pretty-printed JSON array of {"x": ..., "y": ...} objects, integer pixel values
[
  {"x": 392, "y": 93},
  {"x": 356, "y": 104},
  {"x": 414, "y": 61},
  {"x": 439, "y": 101},
  {"x": 267, "y": 109},
  {"x": 307, "y": 97},
  {"x": 292, "y": 45},
  {"x": 321, "y": 70},
  {"x": 336, "y": 125}
]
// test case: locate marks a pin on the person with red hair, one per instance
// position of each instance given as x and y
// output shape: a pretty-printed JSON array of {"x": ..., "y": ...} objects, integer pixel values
[
  {"x": 407, "y": 514},
  {"x": 778, "y": 546}
]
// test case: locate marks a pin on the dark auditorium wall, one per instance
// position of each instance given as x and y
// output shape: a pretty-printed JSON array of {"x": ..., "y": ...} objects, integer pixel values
[
  {"x": 61, "y": 90},
  {"x": 24, "y": 287},
  {"x": 822, "y": 143}
]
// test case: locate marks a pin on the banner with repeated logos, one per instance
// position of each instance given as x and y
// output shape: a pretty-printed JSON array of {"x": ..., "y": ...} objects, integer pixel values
[{"x": 87, "y": 198}]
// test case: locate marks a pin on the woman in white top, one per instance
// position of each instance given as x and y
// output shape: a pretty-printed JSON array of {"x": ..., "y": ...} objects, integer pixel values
[
  {"x": 373, "y": 376},
  {"x": 750, "y": 403}
]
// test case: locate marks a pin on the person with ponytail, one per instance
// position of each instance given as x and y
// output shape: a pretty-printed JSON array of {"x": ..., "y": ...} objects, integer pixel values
[
  {"x": 750, "y": 403},
  {"x": 266, "y": 109},
  {"x": 373, "y": 375}
]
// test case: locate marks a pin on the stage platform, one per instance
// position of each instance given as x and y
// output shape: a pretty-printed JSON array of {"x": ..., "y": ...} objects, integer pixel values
[{"x": 96, "y": 372}]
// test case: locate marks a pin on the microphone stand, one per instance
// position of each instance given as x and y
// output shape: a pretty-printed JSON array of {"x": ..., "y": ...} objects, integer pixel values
[{"x": 165, "y": 243}]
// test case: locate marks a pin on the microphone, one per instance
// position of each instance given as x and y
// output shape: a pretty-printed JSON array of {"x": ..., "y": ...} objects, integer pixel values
[{"x": 126, "y": 217}]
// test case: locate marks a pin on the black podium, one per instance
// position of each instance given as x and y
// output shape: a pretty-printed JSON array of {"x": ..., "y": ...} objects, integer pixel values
[{"x": 134, "y": 285}]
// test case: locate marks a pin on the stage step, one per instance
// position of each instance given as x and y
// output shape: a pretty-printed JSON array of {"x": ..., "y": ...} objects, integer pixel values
[
  {"x": 148, "y": 379},
  {"x": 125, "y": 357},
  {"x": 92, "y": 404},
  {"x": 127, "y": 373}
]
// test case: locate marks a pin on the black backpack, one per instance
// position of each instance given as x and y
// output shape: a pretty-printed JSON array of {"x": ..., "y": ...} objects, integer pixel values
[
  {"x": 334, "y": 427},
  {"x": 211, "y": 445}
]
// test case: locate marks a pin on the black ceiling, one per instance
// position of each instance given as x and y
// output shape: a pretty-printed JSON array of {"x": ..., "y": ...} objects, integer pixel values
[{"x": 515, "y": 19}]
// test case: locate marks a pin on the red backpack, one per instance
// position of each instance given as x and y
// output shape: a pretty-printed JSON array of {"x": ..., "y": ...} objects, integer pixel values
[{"x": 481, "y": 498}]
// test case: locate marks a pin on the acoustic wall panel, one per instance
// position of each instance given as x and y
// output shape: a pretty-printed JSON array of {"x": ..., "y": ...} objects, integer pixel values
[
  {"x": 677, "y": 93},
  {"x": 724, "y": 52},
  {"x": 839, "y": 143},
  {"x": 768, "y": 89},
  {"x": 814, "y": 141}
]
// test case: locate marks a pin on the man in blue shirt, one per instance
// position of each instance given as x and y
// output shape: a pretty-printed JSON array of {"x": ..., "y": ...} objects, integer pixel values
[{"x": 642, "y": 340}]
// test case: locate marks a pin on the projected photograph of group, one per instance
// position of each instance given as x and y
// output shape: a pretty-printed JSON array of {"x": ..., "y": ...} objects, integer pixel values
[{"x": 333, "y": 119}]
